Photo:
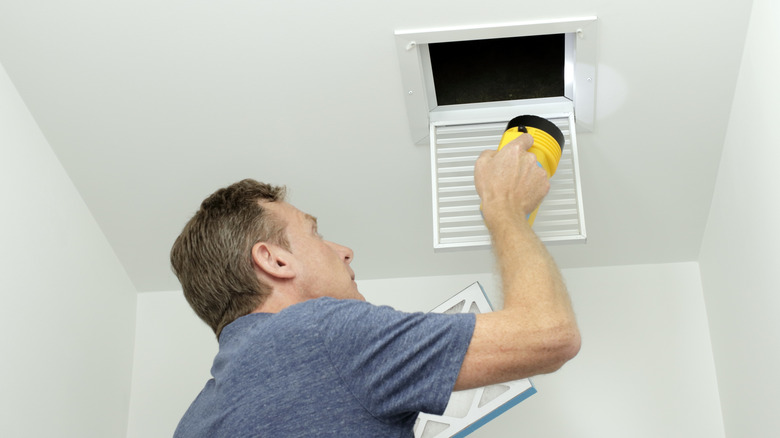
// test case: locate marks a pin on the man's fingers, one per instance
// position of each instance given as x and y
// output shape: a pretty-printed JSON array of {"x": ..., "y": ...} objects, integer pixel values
[
  {"x": 487, "y": 153},
  {"x": 524, "y": 141}
]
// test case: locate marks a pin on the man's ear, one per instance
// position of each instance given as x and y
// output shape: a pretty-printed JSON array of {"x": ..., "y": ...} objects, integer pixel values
[{"x": 272, "y": 259}]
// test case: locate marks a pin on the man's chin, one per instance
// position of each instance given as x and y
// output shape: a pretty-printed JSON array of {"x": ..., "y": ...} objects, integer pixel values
[{"x": 357, "y": 294}]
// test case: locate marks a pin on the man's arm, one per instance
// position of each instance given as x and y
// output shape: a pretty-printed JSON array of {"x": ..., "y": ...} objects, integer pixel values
[{"x": 536, "y": 331}]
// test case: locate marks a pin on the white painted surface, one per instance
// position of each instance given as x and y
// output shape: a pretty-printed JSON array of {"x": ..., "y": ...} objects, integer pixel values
[
  {"x": 645, "y": 369},
  {"x": 172, "y": 362},
  {"x": 153, "y": 105},
  {"x": 739, "y": 257},
  {"x": 67, "y": 306}
]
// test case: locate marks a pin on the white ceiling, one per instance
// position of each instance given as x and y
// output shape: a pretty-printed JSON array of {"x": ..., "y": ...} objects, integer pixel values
[{"x": 152, "y": 105}]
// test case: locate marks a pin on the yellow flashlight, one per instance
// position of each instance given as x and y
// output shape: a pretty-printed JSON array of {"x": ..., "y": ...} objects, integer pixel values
[{"x": 548, "y": 143}]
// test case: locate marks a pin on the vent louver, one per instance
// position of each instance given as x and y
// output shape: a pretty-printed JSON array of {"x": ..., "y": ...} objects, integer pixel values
[{"x": 457, "y": 219}]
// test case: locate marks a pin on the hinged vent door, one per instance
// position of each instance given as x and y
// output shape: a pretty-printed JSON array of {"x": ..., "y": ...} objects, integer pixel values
[{"x": 458, "y": 222}]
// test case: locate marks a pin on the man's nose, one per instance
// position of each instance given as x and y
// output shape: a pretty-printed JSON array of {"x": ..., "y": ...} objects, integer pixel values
[
  {"x": 344, "y": 252},
  {"x": 348, "y": 255}
]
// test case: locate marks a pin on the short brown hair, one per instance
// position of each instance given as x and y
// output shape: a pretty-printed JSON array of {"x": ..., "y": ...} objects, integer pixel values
[{"x": 212, "y": 255}]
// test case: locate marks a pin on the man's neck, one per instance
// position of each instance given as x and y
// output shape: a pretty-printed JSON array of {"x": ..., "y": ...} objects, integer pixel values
[{"x": 277, "y": 301}]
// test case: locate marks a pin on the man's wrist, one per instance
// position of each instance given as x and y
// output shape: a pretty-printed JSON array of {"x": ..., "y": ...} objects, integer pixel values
[{"x": 497, "y": 213}]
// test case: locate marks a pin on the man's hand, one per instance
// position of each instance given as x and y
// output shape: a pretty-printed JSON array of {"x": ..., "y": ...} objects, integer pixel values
[{"x": 511, "y": 178}]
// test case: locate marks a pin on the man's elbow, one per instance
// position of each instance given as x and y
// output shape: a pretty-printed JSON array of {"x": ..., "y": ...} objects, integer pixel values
[
  {"x": 561, "y": 348},
  {"x": 570, "y": 344}
]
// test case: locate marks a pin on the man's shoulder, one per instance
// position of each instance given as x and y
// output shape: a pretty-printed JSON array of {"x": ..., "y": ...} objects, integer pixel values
[
  {"x": 306, "y": 315},
  {"x": 327, "y": 307}
]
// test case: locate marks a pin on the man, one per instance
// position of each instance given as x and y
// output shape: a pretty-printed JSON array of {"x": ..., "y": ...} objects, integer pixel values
[{"x": 302, "y": 354}]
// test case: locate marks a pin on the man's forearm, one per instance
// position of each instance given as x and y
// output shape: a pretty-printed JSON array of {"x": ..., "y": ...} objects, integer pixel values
[
  {"x": 531, "y": 279},
  {"x": 533, "y": 288}
]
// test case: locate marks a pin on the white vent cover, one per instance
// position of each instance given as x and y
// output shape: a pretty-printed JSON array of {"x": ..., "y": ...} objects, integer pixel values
[{"x": 457, "y": 221}]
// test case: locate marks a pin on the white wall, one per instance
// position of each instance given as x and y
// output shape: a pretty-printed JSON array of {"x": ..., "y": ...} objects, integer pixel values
[
  {"x": 172, "y": 361},
  {"x": 645, "y": 369},
  {"x": 739, "y": 256},
  {"x": 66, "y": 305}
]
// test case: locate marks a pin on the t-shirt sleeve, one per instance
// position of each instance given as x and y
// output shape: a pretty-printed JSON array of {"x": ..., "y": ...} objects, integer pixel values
[{"x": 394, "y": 363}]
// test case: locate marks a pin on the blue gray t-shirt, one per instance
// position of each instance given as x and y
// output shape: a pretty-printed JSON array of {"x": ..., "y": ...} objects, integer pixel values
[{"x": 329, "y": 368}]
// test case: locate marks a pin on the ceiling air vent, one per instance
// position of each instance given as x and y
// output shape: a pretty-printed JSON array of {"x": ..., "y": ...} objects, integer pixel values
[
  {"x": 463, "y": 84},
  {"x": 458, "y": 222}
]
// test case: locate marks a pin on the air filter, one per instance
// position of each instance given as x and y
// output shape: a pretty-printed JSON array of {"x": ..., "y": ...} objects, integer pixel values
[{"x": 471, "y": 409}]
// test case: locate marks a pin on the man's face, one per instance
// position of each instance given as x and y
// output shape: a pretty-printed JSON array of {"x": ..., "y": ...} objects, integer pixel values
[{"x": 322, "y": 266}]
